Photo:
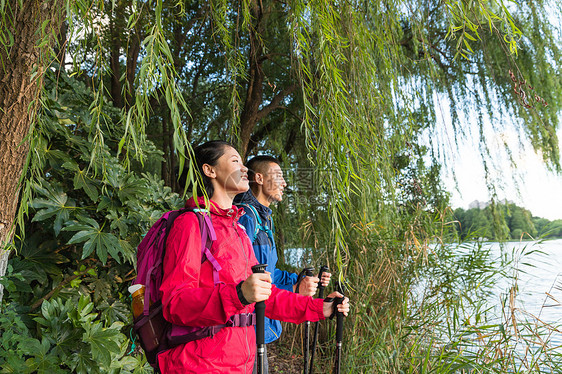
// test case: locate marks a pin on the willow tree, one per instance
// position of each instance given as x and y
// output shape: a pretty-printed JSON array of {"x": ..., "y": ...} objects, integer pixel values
[
  {"x": 356, "y": 82},
  {"x": 26, "y": 30}
]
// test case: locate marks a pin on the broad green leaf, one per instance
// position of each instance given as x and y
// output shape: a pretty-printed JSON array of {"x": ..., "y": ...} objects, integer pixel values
[
  {"x": 118, "y": 221},
  {"x": 128, "y": 251},
  {"x": 71, "y": 165},
  {"x": 39, "y": 255},
  {"x": 81, "y": 180},
  {"x": 130, "y": 188},
  {"x": 57, "y": 157},
  {"x": 102, "y": 289},
  {"x": 56, "y": 204},
  {"x": 103, "y": 243},
  {"x": 106, "y": 203},
  {"x": 130, "y": 363},
  {"x": 41, "y": 361},
  {"x": 85, "y": 306},
  {"x": 104, "y": 343},
  {"x": 65, "y": 121},
  {"x": 82, "y": 362},
  {"x": 117, "y": 311}
]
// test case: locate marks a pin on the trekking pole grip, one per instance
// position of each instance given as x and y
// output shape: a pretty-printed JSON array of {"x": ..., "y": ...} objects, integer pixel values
[
  {"x": 306, "y": 272},
  {"x": 259, "y": 268},
  {"x": 323, "y": 269},
  {"x": 260, "y": 308},
  {"x": 339, "y": 315},
  {"x": 339, "y": 321},
  {"x": 260, "y": 324}
]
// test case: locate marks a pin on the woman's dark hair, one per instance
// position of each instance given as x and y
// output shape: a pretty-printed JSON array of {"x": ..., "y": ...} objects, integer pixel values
[{"x": 206, "y": 153}]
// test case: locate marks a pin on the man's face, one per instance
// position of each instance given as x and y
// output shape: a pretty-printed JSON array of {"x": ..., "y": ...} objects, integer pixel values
[{"x": 273, "y": 182}]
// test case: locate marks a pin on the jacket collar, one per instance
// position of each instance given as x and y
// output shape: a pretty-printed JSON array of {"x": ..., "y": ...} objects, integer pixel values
[
  {"x": 249, "y": 198},
  {"x": 233, "y": 212}
]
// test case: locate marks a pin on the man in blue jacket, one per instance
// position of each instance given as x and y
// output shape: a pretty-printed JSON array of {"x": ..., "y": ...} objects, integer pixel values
[{"x": 266, "y": 186}]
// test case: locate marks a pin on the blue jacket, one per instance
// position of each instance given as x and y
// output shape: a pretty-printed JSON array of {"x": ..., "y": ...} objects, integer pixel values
[{"x": 265, "y": 251}]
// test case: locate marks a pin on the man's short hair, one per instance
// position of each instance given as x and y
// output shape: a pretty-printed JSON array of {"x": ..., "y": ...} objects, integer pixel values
[{"x": 259, "y": 164}]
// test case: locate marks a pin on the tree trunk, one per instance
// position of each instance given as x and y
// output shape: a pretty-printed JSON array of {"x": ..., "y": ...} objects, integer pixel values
[
  {"x": 254, "y": 92},
  {"x": 19, "y": 101},
  {"x": 132, "y": 60},
  {"x": 115, "y": 65},
  {"x": 116, "y": 28},
  {"x": 251, "y": 112},
  {"x": 165, "y": 175}
]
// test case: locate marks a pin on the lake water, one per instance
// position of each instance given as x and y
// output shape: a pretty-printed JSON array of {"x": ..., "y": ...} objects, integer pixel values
[
  {"x": 537, "y": 266},
  {"x": 515, "y": 317}
]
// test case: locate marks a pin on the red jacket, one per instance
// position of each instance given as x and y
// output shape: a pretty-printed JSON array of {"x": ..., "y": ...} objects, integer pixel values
[{"x": 190, "y": 298}]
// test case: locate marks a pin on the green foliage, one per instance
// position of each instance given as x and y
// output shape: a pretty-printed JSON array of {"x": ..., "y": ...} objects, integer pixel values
[
  {"x": 72, "y": 339},
  {"x": 349, "y": 90},
  {"x": 76, "y": 257},
  {"x": 515, "y": 223},
  {"x": 375, "y": 78}
]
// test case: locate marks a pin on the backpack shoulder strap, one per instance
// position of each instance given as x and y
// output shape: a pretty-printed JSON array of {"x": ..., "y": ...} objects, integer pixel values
[
  {"x": 257, "y": 218},
  {"x": 208, "y": 236},
  {"x": 259, "y": 223}
]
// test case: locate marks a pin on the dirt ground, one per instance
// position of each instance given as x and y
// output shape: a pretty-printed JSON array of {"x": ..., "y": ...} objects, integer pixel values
[
  {"x": 282, "y": 362},
  {"x": 285, "y": 355}
]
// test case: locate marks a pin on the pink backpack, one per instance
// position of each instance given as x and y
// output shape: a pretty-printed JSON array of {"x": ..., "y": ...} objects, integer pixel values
[{"x": 155, "y": 333}]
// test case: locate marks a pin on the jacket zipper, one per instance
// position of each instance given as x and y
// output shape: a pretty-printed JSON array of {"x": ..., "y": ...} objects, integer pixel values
[
  {"x": 268, "y": 238},
  {"x": 247, "y": 264}
]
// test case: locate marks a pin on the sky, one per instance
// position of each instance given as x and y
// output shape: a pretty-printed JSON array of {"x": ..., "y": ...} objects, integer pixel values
[{"x": 539, "y": 190}]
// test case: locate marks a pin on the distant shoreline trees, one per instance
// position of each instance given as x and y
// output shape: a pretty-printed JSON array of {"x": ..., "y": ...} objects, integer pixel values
[{"x": 504, "y": 221}]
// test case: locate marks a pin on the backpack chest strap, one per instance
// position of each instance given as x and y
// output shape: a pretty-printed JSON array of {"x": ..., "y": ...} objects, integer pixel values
[{"x": 242, "y": 320}]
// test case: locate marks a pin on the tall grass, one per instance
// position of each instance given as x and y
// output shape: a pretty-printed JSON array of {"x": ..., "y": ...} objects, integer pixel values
[{"x": 423, "y": 307}]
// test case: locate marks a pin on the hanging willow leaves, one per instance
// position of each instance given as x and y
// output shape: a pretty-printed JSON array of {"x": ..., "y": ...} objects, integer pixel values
[
  {"x": 369, "y": 70},
  {"x": 375, "y": 96}
]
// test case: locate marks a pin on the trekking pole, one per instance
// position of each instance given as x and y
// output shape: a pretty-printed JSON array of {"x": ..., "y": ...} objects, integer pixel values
[
  {"x": 323, "y": 269},
  {"x": 339, "y": 329},
  {"x": 306, "y": 272},
  {"x": 260, "y": 324}
]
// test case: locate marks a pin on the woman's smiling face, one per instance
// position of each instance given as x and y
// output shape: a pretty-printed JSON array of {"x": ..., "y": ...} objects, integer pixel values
[{"x": 230, "y": 173}]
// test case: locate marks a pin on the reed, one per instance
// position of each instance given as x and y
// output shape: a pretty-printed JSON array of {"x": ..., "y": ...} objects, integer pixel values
[{"x": 421, "y": 305}]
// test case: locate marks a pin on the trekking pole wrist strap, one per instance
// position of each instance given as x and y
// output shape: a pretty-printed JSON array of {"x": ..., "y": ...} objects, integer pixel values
[
  {"x": 336, "y": 301},
  {"x": 240, "y": 294}
]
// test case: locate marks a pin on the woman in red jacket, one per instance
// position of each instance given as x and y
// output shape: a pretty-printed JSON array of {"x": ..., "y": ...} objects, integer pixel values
[{"x": 191, "y": 297}]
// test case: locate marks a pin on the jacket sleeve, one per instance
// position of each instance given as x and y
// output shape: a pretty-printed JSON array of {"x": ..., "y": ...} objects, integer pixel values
[
  {"x": 284, "y": 279},
  {"x": 184, "y": 301},
  {"x": 291, "y": 307}
]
